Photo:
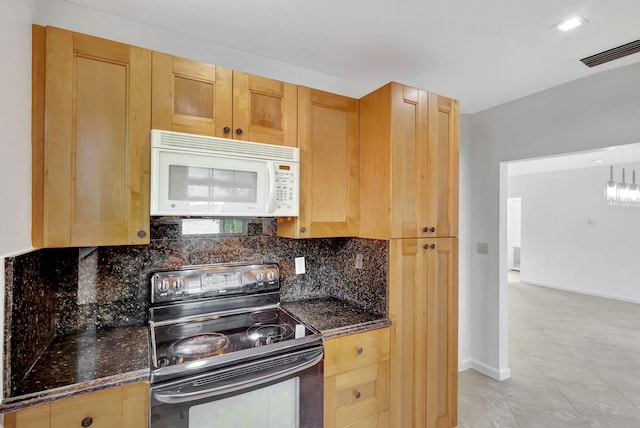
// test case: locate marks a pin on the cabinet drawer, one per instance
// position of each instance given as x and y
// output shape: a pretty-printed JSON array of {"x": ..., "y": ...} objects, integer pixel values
[
  {"x": 104, "y": 408},
  {"x": 356, "y": 386},
  {"x": 355, "y": 351}
]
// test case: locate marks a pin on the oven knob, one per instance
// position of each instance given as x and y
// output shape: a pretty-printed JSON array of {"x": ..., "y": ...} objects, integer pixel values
[
  {"x": 271, "y": 276},
  {"x": 163, "y": 285},
  {"x": 178, "y": 284},
  {"x": 260, "y": 277},
  {"x": 163, "y": 362}
]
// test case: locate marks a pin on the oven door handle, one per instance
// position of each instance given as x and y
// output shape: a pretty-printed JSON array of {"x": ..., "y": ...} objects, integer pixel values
[{"x": 183, "y": 397}]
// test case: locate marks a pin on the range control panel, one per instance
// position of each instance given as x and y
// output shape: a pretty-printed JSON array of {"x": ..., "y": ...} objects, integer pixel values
[{"x": 194, "y": 282}]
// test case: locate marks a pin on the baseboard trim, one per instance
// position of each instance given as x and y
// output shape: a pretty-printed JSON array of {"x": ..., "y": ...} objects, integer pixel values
[
  {"x": 580, "y": 291},
  {"x": 471, "y": 363}
]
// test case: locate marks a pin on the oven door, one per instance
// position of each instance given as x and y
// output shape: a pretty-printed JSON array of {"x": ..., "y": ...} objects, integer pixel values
[{"x": 284, "y": 391}]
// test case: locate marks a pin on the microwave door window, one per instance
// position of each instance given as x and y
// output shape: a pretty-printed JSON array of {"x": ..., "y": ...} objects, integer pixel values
[{"x": 198, "y": 185}]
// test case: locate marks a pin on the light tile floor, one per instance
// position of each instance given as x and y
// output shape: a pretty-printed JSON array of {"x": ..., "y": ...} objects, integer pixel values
[{"x": 574, "y": 359}]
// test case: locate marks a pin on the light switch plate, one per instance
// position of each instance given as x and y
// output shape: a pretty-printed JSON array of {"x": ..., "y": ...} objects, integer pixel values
[
  {"x": 300, "y": 267},
  {"x": 482, "y": 248}
]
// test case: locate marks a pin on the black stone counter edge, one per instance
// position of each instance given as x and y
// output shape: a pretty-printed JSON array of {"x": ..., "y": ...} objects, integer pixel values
[
  {"x": 17, "y": 403},
  {"x": 356, "y": 328}
]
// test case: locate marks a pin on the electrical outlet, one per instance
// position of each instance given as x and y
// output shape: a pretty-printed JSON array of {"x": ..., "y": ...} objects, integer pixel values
[
  {"x": 359, "y": 261},
  {"x": 300, "y": 267}
]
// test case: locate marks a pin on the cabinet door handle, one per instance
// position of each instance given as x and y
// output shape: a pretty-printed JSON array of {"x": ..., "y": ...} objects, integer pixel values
[
  {"x": 87, "y": 422},
  {"x": 360, "y": 351},
  {"x": 425, "y": 246},
  {"x": 433, "y": 229},
  {"x": 226, "y": 129},
  {"x": 425, "y": 229},
  {"x": 357, "y": 394},
  {"x": 239, "y": 131},
  {"x": 433, "y": 246},
  {"x": 142, "y": 234}
]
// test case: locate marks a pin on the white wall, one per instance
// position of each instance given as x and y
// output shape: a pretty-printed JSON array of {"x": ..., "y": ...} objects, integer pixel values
[
  {"x": 572, "y": 240},
  {"x": 90, "y": 21},
  {"x": 464, "y": 271},
  {"x": 597, "y": 111},
  {"x": 15, "y": 142}
]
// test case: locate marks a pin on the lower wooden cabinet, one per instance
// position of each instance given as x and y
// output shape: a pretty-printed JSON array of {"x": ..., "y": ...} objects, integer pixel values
[
  {"x": 356, "y": 384},
  {"x": 423, "y": 307},
  {"x": 119, "y": 407}
]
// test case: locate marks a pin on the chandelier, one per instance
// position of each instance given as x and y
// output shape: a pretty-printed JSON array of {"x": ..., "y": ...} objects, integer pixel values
[{"x": 620, "y": 192}]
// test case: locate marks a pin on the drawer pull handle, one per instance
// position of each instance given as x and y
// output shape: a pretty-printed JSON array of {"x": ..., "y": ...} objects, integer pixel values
[
  {"x": 360, "y": 351},
  {"x": 357, "y": 395},
  {"x": 87, "y": 422}
]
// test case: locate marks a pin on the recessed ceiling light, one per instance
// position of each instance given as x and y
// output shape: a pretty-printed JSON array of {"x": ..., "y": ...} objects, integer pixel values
[
  {"x": 598, "y": 161},
  {"x": 571, "y": 23}
]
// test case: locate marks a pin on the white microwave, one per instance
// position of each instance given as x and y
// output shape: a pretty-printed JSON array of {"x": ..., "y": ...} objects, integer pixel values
[{"x": 194, "y": 175}]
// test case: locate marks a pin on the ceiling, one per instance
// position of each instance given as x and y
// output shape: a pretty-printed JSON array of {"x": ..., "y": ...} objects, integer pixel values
[
  {"x": 628, "y": 154},
  {"x": 483, "y": 53}
]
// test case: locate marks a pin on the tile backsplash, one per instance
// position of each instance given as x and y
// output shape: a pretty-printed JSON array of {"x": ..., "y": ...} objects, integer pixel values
[{"x": 53, "y": 292}]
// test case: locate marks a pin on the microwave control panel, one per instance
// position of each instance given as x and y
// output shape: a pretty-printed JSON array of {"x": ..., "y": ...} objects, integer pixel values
[{"x": 287, "y": 189}]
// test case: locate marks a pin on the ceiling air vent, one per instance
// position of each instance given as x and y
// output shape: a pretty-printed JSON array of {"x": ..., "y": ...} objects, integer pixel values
[{"x": 611, "y": 54}]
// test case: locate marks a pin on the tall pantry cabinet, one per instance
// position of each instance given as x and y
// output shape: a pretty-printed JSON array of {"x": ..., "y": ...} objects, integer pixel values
[{"x": 408, "y": 193}]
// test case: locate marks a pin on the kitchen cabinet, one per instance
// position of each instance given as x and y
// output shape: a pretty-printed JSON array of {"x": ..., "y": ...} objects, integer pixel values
[
  {"x": 198, "y": 98},
  {"x": 408, "y": 154},
  {"x": 328, "y": 142},
  {"x": 119, "y": 407},
  {"x": 356, "y": 384},
  {"x": 91, "y": 131},
  {"x": 423, "y": 308}
]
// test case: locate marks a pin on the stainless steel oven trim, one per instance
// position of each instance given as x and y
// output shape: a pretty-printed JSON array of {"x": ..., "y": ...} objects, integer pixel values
[
  {"x": 314, "y": 357},
  {"x": 210, "y": 316}
]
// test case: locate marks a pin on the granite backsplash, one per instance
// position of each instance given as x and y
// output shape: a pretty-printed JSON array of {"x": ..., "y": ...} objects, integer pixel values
[{"x": 53, "y": 292}]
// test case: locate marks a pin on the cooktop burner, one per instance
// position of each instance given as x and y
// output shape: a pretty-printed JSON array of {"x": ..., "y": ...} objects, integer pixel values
[{"x": 201, "y": 345}]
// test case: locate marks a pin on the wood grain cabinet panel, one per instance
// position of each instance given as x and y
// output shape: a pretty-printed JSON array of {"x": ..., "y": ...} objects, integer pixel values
[
  {"x": 119, "y": 407},
  {"x": 204, "y": 99},
  {"x": 328, "y": 142},
  {"x": 423, "y": 308},
  {"x": 92, "y": 159},
  {"x": 408, "y": 154},
  {"x": 357, "y": 380}
]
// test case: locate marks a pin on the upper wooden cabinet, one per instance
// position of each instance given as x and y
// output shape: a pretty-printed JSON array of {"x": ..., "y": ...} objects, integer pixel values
[
  {"x": 198, "y": 98},
  {"x": 328, "y": 141},
  {"x": 91, "y": 155},
  {"x": 423, "y": 308},
  {"x": 408, "y": 154}
]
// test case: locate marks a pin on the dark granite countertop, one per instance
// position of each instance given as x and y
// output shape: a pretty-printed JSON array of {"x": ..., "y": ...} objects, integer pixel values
[
  {"x": 82, "y": 362},
  {"x": 333, "y": 317},
  {"x": 103, "y": 358}
]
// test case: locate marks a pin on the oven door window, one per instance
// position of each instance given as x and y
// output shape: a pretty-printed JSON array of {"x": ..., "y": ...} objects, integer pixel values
[{"x": 275, "y": 406}]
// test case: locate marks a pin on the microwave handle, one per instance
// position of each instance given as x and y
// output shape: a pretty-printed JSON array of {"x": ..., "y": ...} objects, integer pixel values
[{"x": 271, "y": 187}]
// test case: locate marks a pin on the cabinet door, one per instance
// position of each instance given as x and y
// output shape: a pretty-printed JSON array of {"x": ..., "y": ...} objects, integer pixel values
[
  {"x": 423, "y": 310},
  {"x": 442, "y": 160},
  {"x": 31, "y": 417},
  {"x": 96, "y": 150},
  {"x": 135, "y": 405},
  {"x": 101, "y": 409},
  {"x": 191, "y": 96},
  {"x": 408, "y": 158},
  {"x": 328, "y": 141},
  {"x": 264, "y": 110}
]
